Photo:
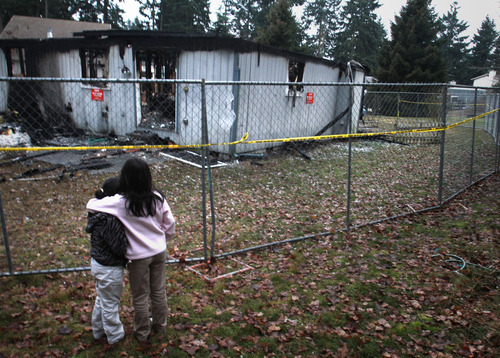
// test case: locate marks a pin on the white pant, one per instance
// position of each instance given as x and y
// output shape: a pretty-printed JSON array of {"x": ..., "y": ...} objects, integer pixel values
[{"x": 105, "y": 316}]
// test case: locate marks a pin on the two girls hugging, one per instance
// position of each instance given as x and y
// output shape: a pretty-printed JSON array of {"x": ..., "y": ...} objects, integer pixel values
[{"x": 129, "y": 222}]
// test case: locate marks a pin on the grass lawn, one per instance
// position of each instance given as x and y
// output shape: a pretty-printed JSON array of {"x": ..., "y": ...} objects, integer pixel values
[{"x": 386, "y": 290}]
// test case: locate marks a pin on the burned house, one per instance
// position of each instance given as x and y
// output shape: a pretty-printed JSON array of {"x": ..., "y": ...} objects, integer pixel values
[{"x": 149, "y": 81}]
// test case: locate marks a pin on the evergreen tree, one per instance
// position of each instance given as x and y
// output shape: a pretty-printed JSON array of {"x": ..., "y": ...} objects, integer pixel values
[
  {"x": 482, "y": 59},
  {"x": 361, "y": 35},
  {"x": 201, "y": 15},
  {"x": 89, "y": 11},
  {"x": 322, "y": 15},
  {"x": 136, "y": 24},
  {"x": 176, "y": 15},
  {"x": 282, "y": 29},
  {"x": 413, "y": 54},
  {"x": 58, "y": 9},
  {"x": 149, "y": 9},
  {"x": 114, "y": 15},
  {"x": 261, "y": 16},
  {"x": 184, "y": 16},
  {"x": 454, "y": 46},
  {"x": 246, "y": 17},
  {"x": 104, "y": 11},
  {"x": 55, "y": 9},
  {"x": 496, "y": 56},
  {"x": 242, "y": 16},
  {"x": 222, "y": 25}
]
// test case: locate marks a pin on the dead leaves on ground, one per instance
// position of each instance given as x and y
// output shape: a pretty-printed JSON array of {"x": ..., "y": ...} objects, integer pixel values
[{"x": 379, "y": 290}]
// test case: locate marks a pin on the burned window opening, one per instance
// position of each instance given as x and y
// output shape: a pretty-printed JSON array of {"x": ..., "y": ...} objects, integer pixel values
[
  {"x": 157, "y": 99},
  {"x": 17, "y": 62},
  {"x": 95, "y": 64},
  {"x": 295, "y": 74}
]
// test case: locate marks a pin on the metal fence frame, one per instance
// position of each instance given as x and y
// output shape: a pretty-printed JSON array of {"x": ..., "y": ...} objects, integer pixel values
[{"x": 206, "y": 181}]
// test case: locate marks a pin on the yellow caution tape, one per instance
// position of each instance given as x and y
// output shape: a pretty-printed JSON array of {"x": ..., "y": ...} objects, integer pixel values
[
  {"x": 401, "y": 100},
  {"x": 358, "y": 135},
  {"x": 245, "y": 141},
  {"x": 468, "y": 104},
  {"x": 125, "y": 147}
]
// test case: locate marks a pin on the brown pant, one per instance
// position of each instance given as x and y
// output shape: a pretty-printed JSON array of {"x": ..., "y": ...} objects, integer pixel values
[{"x": 147, "y": 280}]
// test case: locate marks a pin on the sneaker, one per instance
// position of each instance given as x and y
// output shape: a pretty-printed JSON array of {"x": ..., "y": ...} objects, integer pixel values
[
  {"x": 114, "y": 342},
  {"x": 99, "y": 336}
]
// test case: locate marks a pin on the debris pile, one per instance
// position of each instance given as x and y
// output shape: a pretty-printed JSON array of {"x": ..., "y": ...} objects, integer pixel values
[{"x": 12, "y": 136}]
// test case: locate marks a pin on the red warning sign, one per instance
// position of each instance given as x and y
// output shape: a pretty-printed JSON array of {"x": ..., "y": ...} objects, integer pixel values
[
  {"x": 97, "y": 94},
  {"x": 310, "y": 97}
]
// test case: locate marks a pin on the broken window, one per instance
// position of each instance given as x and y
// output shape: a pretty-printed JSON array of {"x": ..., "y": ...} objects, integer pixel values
[
  {"x": 296, "y": 75},
  {"x": 17, "y": 67},
  {"x": 157, "y": 98},
  {"x": 95, "y": 63}
]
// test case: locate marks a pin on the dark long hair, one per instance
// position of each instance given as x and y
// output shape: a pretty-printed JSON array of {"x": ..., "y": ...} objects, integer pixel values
[{"x": 136, "y": 185}]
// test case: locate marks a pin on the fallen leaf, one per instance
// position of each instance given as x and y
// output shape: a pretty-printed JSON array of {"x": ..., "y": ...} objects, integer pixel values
[
  {"x": 65, "y": 330},
  {"x": 274, "y": 328}
]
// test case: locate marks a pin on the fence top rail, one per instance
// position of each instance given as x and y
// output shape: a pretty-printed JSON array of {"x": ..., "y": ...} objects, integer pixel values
[
  {"x": 240, "y": 83},
  {"x": 208, "y": 82},
  {"x": 406, "y": 93},
  {"x": 93, "y": 80},
  {"x": 181, "y": 81}
]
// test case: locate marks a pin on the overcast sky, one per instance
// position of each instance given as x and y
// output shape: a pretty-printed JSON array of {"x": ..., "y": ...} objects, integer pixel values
[{"x": 471, "y": 11}]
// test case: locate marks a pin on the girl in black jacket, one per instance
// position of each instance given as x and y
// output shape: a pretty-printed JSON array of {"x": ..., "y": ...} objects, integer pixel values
[{"x": 108, "y": 246}]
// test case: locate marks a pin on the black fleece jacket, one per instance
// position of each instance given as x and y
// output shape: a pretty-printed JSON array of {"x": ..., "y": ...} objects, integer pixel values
[{"x": 108, "y": 242}]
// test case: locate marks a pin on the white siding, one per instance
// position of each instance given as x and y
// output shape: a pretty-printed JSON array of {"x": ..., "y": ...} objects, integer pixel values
[
  {"x": 4, "y": 86},
  {"x": 211, "y": 66},
  {"x": 121, "y": 106},
  {"x": 87, "y": 114},
  {"x": 265, "y": 112},
  {"x": 115, "y": 114},
  {"x": 270, "y": 112},
  {"x": 357, "y": 105}
]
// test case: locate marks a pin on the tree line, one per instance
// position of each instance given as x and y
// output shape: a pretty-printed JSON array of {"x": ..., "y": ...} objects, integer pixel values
[{"x": 422, "y": 47}]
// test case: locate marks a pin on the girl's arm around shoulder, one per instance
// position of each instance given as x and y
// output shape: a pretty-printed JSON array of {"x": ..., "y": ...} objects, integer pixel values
[{"x": 108, "y": 204}]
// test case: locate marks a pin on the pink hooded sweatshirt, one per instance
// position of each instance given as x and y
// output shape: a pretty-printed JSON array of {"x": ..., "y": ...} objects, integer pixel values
[{"x": 146, "y": 235}]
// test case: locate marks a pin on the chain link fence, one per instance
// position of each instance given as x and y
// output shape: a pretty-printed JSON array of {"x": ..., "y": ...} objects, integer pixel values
[{"x": 320, "y": 159}]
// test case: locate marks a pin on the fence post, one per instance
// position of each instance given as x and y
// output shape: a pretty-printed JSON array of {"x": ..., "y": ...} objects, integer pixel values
[
  {"x": 349, "y": 162},
  {"x": 204, "y": 140},
  {"x": 443, "y": 137},
  {"x": 236, "y": 104},
  {"x": 399, "y": 99},
  {"x": 212, "y": 206},
  {"x": 473, "y": 136},
  {"x": 5, "y": 237},
  {"x": 206, "y": 164},
  {"x": 497, "y": 139},
  {"x": 417, "y": 112}
]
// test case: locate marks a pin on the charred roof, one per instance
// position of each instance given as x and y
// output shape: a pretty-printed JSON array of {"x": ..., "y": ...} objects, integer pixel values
[{"x": 141, "y": 39}]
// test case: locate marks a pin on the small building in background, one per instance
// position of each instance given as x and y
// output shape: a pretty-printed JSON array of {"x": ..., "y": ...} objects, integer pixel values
[
  {"x": 27, "y": 27},
  {"x": 489, "y": 79}
]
